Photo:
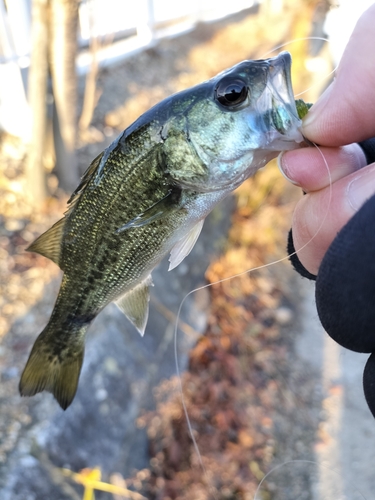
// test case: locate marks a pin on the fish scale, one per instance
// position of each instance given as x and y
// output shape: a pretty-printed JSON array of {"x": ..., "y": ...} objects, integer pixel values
[{"x": 147, "y": 195}]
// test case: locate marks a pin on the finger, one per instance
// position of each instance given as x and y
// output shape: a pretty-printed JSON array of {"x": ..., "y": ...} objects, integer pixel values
[
  {"x": 345, "y": 112},
  {"x": 320, "y": 215},
  {"x": 314, "y": 169}
]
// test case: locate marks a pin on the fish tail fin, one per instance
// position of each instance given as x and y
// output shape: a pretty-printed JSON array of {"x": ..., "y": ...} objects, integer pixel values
[{"x": 54, "y": 365}]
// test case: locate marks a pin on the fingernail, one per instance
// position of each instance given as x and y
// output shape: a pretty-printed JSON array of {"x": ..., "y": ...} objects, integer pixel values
[
  {"x": 283, "y": 167},
  {"x": 361, "y": 188}
]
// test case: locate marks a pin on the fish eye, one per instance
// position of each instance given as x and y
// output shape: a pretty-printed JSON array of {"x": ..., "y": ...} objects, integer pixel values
[{"x": 231, "y": 92}]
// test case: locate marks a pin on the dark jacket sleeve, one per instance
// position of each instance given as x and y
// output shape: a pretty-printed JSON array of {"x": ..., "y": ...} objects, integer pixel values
[
  {"x": 345, "y": 291},
  {"x": 345, "y": 285},
  {"x": 369, "y": 149}
]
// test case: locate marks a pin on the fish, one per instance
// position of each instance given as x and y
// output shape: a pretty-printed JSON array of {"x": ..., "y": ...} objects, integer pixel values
[{"x": 146, "y": 196}]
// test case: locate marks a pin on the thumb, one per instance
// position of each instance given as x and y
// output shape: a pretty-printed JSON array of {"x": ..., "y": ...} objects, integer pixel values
[{"x": 345, "y": 112}]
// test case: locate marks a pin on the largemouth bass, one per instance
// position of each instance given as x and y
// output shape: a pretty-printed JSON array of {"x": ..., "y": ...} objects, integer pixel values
[{"x": 147, "y": 195}]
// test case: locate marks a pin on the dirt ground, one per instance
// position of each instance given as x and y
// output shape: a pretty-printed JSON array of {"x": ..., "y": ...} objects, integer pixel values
[{"x": 250, "y": 402}]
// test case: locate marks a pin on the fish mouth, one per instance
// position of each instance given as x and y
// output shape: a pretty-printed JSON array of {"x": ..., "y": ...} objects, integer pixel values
[
  {"x": 282, "y": 116},
  {"x": 280, "y": 83}
]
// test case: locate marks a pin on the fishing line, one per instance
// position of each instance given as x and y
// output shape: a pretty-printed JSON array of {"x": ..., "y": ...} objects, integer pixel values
[
  {"x": 247, "y": 271},
  {"x": 311, "y": 462},
  {"x": 303, "y": 39}
]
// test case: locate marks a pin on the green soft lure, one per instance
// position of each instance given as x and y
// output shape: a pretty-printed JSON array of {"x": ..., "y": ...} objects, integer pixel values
[{"x": 302, "y": 108}]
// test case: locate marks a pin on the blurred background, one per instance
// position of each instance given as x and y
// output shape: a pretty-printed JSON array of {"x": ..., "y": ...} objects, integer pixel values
[{"x": 276, "y": 408}]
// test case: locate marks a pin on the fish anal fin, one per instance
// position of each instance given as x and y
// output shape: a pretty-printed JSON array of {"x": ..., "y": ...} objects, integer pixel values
[
  {"x": 48, "y": 244},
  {"x": 47, "y": 371},
  {"x": 135, "y": 304},
  {"x": 185, "y": 245}
]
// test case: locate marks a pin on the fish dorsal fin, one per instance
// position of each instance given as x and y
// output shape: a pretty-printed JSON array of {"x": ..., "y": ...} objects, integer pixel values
[
  {"x": 185, "y": 245},
  {"x": 48, "y": 244},
  {"x": 92, "y": 169},
  {"x": 134, "y": 304}
]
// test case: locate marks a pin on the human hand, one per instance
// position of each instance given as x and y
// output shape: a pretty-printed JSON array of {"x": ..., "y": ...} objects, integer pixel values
[
  {"x": 334, "y": 179},
  {"x": 333, "y": 225}
]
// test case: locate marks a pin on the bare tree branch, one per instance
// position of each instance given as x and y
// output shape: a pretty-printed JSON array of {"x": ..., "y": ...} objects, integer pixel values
[
  {"x": 62, "y": 57},
  {"x": 35, "y": 174}
]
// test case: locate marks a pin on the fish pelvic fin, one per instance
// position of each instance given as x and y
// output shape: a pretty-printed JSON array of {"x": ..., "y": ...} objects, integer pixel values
[
  {"x": 135, "y": 304},
  {"x": 54, "y": 367},
  {"x": 48, "y": 244}
]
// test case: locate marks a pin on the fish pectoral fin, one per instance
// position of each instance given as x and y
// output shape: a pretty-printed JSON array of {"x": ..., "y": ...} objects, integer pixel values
[
  {"x": 48, "y": 244},
  {"x": 184, "y": 246},
  {"x": 166, "y": 205},
  {"x": 135, "y": 304}
]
